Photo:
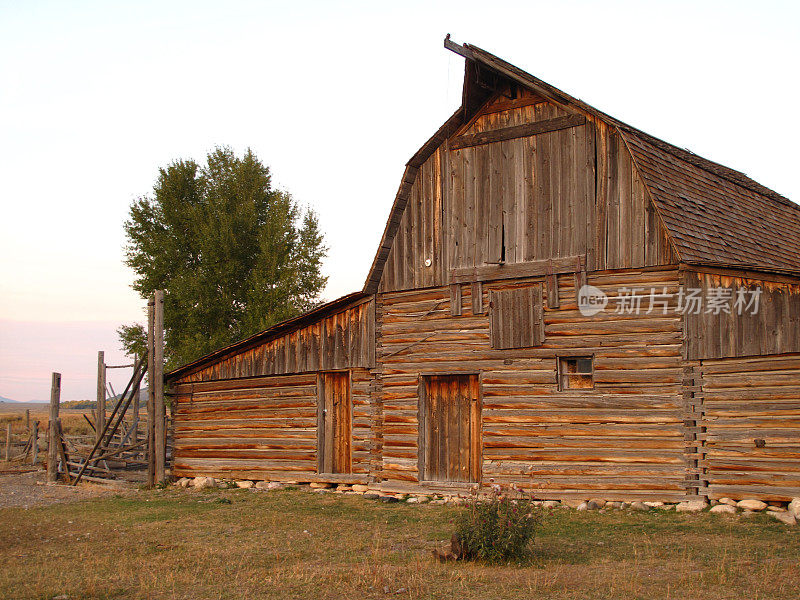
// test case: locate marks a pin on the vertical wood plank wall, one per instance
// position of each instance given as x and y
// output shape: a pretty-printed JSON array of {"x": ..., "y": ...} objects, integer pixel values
[
  {"x": 262, "y": 428},
  {"x": 556, "y": 194},
  {"x": 623, "y": 439},
  {"x": 752, "y": 427},
  {"x": 338, "y": 341},
  {"x": 773, "y": 329}
]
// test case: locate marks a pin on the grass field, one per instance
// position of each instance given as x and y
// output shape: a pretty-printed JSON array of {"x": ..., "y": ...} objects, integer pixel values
[
  {"x": 71, "y": 419},
  {"x": 294, "y": 544}
]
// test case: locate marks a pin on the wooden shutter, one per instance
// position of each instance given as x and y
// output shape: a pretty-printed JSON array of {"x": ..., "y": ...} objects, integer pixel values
[{"x": 516, "y": 317}]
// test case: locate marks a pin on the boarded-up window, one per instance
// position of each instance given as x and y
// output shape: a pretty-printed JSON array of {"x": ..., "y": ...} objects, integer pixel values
[{"x": 517, "y": 319}]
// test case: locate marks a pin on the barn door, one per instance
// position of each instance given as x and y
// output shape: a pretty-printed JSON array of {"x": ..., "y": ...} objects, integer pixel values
[
  {"x": 450, "y": 428},
  {"x": 333, "y": 423}
]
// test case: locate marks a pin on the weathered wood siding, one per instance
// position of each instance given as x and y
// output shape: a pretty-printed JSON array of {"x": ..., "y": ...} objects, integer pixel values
[
  {"x": 342, "y": 340},
  {"x": 773, "y": 329},
  {"x": 263, "y": 428},
  {"x": 449, "y": 413},
  {"x": 516, "y": 319},
  {"x": 622, "y": 439},
  {"x": 574, "y": 191},
  {"x": 751, "y": 437}
]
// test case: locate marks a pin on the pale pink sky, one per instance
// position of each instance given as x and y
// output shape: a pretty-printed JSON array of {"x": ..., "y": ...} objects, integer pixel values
[
  {"x": 35, "y": 349},
  {"x": 334, "y": 97}
]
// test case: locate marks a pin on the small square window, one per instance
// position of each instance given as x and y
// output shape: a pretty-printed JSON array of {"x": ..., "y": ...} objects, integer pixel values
[{"x": 575, "y": 373}]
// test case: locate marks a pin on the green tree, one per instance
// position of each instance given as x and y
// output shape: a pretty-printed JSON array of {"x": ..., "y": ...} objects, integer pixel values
[{"x": 233, "y": 254}]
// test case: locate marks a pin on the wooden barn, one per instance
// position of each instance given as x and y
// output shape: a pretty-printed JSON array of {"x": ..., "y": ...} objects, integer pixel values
[{"x": 558, "y": 300}]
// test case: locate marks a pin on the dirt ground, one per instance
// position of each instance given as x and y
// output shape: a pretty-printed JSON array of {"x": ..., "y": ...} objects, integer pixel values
[{"x": 29, "y": 489}]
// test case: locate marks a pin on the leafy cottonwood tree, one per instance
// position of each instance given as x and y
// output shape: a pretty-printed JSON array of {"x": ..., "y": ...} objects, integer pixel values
[{"x": 233, "y": 255}]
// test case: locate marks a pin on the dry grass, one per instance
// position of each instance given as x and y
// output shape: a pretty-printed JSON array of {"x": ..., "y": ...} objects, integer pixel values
[
  {"x": 71, "y": 420},
  {"x": 293, "y": 544}
]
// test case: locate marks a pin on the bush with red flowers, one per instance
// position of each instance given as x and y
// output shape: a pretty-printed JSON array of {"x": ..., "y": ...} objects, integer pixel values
[{"x": 497, "y": 528}]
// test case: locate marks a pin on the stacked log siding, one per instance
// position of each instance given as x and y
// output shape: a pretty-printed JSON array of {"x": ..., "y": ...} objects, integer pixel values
[
  {"x": 752, "y": 427},
  {"x": 252, "y": 413},
  {"x": 622, "y": 439},
  {"x": 262, "y": 428}
]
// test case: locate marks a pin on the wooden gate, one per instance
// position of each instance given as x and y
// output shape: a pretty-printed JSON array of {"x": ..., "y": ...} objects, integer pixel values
[
  {"x": 334, "y": 423},
  {"x": 450, "y": 428}
]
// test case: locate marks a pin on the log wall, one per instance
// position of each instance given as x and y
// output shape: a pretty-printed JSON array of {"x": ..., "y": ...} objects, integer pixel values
[
  {"x": 623, "y": 439},
  {"x": 263, "y": 428},
  {"x": 751, "y": 437}
]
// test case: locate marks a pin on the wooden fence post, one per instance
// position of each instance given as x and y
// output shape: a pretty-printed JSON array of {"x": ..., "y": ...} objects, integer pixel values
[
  {"x": 160, "y": 430},
  {"x": 35, "y": 442},
  {"x": 151, "y": 451},
  {"x": 52, "y": 428},
  {"x": 100, "y": 412},
  {"x": 62, "y": 454},
  {"x": 8, "y": 442},
  {"x": 27, "y": 419}
]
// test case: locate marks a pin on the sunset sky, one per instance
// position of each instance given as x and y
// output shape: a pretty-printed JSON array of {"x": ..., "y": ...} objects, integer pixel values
[{"x": 334, "y": 97}]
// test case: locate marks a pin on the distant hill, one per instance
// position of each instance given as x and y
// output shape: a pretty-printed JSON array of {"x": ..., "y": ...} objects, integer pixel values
[
  {"x": 81, "y": 404},
  {"x": 78, "y": 404},
  {"x": 110, "y": 402}
]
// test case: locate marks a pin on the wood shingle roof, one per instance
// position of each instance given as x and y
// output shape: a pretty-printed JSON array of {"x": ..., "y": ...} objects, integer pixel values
[{"x": 715, "y": 221}]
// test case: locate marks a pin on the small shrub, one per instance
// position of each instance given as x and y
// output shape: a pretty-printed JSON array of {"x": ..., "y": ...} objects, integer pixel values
[{"x": 498, "y": 528}]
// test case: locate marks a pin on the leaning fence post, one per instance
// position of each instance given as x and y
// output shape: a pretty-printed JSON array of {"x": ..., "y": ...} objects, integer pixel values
[{"x": 52, "y": 429}]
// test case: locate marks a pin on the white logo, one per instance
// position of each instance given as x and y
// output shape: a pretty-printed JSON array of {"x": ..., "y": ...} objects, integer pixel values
[{"x": 591, "y": 300}]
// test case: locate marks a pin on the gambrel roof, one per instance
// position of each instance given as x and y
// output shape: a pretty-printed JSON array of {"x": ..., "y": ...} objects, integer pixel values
[{"x": 714, "y": 215}]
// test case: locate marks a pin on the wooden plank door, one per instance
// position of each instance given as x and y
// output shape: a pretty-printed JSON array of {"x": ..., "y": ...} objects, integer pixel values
[
  {"x": 334, "y": 423},
  {"x": 450, "y": 417}
]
